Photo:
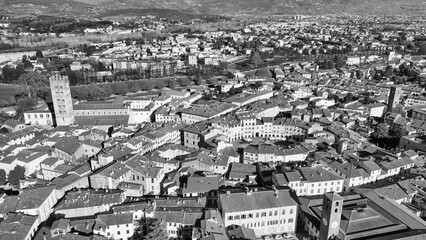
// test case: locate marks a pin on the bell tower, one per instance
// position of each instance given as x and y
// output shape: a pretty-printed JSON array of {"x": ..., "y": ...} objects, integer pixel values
[
  {"x": 330, "y": 216},
  {"x": 62, "y": 101}
]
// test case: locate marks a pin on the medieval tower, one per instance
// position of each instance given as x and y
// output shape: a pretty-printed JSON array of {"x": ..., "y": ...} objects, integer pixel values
[
  {"x": 62, "y": 101},
  {"x": 330, "y": 217}
]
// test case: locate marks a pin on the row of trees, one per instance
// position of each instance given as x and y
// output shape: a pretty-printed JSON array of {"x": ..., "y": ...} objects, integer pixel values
[
  {"x": 75, "y": 41},
  {"x": 51, "y": 24},
  {"x": 99, "y": 92}
]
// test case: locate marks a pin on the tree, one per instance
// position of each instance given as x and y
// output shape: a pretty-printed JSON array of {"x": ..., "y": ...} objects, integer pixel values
[
  {"x": 171, "y": 83},
  {"x": 121, "y": 89},
  {"x": 11, "y": 74},
  {"x": 146, "y": 85},
  {"x": 264, "y": 72},
  {"x": 258, "y": 85},
  {"x": 16, "y": 174},
  {"x": 159, "y": 84},
  {"x": 184, "y": 82},
  {"x": 255, "y": 59},
  {"x": 128, "y": 42},
  {"x": 2, "y": 176},
  {"x": 389, "y": 71},
  {"x": 32, "y": 81},
  {"x": 44, "y": 93},
  {"x": 349, "y": 98},
  {"x": 95, "y": 93},
  {"x": 223, "y": 65},
  {"x": 338, "y": 62},
  {"x": 28, "y": 64},
  {"x": 150, "y": 229},
  {"x": 107, "y": 89},
  {"x": 133, "y": 87},
  {"x": 39, "y": 54},
  {"x": 79, "y": 92},
  {"x": 25, "y": 104}
]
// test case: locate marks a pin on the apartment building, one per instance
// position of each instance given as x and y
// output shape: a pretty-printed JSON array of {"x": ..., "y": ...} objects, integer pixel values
[
  {"x": 310, "y": 181},
  {"x": 266, "y": 211},
  {"x": 119, "y": 226}
]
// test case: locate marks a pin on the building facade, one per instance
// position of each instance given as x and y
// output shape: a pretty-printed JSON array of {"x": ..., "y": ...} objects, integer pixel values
[{"x": 61, "y": 97}]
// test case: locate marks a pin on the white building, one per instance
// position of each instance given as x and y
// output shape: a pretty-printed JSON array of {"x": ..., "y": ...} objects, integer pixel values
[
  {"x": 311, "y": 181},
  {"x": 115, "y": 226},
  {"x": 266, "y": 211},
  {"x": 38, "y": 117}
]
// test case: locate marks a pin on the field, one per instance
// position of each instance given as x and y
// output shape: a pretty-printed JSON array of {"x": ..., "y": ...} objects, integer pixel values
[{"x": 8, "y": 90}]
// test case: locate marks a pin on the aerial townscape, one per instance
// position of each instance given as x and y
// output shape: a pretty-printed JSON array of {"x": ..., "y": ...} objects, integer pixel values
[{"x": 212, "y": 120}]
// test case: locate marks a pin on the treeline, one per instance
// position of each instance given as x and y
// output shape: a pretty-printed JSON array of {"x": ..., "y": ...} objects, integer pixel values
[
  {"x": 49, "y": 24},
  {"x": 207, "y": 27},
  {"x": 75, "y": 41},
  {"x": 99, "y": 92}
]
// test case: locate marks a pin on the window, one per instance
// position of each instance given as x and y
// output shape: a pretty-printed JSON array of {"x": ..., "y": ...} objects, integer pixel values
[
  {"x": 270, "y": 213},
  {"x": 237, "y": 217},
  {"x": 291, "y": 211},
  {"x": 243, "y": 216},
  {"x": 230, "y": 218},
  {"x": 257, "y": 215},
  {"x": 276, "y": 213},
  {"x": 263, "y": 214},
  {"x": 290, "y": 220},
  {"x": 250, "y": 215},
  {"x": 118, "y": 233},
  {"x": 283, "y": 212}
]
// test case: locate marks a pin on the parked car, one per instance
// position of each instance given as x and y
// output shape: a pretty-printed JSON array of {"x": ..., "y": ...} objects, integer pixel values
[
  {"x": 287, "y": 235},
  {"x": 278, "y": 237}
]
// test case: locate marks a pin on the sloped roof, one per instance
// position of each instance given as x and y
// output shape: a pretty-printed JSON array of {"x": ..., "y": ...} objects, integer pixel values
[
  {"x": 256, "y": 200},
  {"x": 33, "y": 198},
  {"x": 16, "y": 226},
  {"x": 199, "y": 184},
  {"x": 105, "y": 220}
]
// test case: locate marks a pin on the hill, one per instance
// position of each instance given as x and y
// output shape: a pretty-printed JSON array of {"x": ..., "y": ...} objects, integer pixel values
[{"x": 254, "y": 7}]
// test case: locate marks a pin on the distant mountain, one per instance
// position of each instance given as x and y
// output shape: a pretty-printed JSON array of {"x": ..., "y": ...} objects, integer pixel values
[
  {"x": 231, "y": 7},
  {"x": 256, "y": 7}
]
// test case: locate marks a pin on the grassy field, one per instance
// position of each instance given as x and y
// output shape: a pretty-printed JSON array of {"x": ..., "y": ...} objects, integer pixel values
[{"x": 8, "y": 90}]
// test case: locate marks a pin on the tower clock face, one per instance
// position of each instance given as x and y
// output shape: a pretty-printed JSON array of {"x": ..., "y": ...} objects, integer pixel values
[
  {"x": 325, "y": 221},
  {"x": 334, "y": 225}
]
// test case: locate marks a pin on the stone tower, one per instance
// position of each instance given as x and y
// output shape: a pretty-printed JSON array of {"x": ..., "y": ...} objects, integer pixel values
[
  {"x": 62, "y": 101},
  {"x": 330, "y": 217},
  {"x": 394, "y": 97}
]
